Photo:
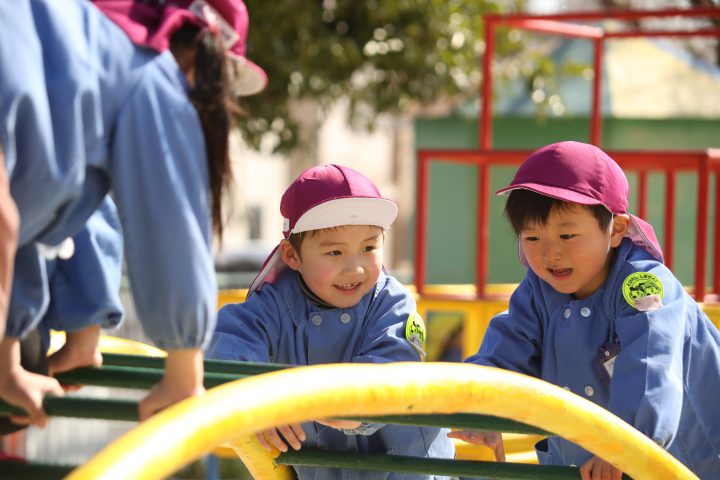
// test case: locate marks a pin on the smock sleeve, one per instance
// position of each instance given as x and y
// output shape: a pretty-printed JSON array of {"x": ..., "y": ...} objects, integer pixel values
[
  {"x": 513, "y": 340},
  {"x": 248, "y": 331},
  {"x": 646, "y": 389},
  {"x": 85, "y": 288},
  {"x": 160, "y": 180},
  {"x": 384, "y": 338}
]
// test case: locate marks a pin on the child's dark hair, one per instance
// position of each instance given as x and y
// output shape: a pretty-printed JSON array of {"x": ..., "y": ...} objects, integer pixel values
[
  {"x": 296, "y": 239},
  {"x": 525, "y": 207},
  {"x": 211, "y": 98}
]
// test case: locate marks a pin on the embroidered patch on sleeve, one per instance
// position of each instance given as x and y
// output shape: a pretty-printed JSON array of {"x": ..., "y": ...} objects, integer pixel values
[
  {"x": 643, "y": 290},
  {"x": 415, "y": 332}
]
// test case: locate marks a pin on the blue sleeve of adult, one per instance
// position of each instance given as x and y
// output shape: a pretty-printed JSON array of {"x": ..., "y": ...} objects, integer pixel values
[
  {"x": 160, "y": 180},
  {"x": 513, "y": 340},
  {"x": 646, "y": 389},
  {"x": 85, "y": 288}
]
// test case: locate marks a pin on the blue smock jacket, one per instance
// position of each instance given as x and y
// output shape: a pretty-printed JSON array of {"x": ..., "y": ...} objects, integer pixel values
[
  {"x": 83, "y": 112},
  {"x": 280, "y": 324},
  {"x": 666, "y": 377}
]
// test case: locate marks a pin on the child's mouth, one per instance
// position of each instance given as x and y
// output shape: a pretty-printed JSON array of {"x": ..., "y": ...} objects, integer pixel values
[
  {"x": 560, "y": 273},
  {"x": 348, "y": 286}
]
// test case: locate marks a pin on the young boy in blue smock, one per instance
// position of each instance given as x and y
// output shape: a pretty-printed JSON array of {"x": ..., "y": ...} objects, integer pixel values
[
  {"x": 599, "y": 314},
  {"x": 324, "y": 297}
]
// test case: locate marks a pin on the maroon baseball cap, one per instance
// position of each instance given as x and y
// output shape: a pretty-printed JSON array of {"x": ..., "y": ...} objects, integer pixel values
[
  {"x": 151, "y": 24},
  {"x": 324, "y": 197},
  {"x": 582, "y": 173}
]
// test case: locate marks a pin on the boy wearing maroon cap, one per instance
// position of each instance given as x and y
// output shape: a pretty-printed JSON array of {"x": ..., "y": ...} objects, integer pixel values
[
  {"x": 599, "y": 314},
  {"x": 323, "y": 297}
]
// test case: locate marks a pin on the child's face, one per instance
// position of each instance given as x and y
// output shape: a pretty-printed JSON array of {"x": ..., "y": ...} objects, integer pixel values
[
  {"x": 340, "y": 265},
  {"x": 570, "y": 251}
]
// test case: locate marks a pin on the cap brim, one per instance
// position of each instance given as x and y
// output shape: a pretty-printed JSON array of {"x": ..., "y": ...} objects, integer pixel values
[
  {"x": 246, "y": 77},
  {"x": 554, "y": 192},
  {"x": 379, "y": 212}
]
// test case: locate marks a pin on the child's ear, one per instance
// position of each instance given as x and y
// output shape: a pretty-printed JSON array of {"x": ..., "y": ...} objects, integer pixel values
[
  {"x": 620, "y": 227},
  {"x": 289, "y": 255}
]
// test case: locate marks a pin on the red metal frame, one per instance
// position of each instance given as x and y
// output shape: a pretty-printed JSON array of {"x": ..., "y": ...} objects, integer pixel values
[{"x": 704, "y": 163}]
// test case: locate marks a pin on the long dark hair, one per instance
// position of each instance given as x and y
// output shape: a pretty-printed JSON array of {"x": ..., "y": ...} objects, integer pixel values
[{"x": 211, "y": 98}]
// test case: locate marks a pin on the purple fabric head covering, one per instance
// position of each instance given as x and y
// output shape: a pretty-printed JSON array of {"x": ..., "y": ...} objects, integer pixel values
[
  {"x": 151, "y": 24},
  {"x": 582, "y": 173},
  {"x": 323, "y": 197}
]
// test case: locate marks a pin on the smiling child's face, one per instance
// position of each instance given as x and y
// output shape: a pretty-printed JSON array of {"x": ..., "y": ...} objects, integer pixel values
[
  {"x": 340, "y": 265},
  {"x": 570, "y": 251}
]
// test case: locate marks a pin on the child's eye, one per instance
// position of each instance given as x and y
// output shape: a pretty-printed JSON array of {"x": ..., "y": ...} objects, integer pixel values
[
  {"x": 334, "y": 253},
  {"x": 568, "y": 236},
  {"x": 531, "y": 239},
  {"x": 369, "y": 248}
]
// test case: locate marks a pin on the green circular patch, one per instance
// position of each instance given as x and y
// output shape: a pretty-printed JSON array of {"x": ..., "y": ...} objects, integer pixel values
[{"x": 640, "y": 285}]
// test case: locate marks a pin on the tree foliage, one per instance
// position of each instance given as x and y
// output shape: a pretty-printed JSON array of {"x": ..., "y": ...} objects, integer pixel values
[{"x": 382, "y": 55}]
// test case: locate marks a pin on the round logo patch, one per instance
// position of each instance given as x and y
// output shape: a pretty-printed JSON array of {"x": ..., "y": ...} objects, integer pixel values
[
  {"x": 415, "y": 331},
  {"x": 640, "y": 285}
]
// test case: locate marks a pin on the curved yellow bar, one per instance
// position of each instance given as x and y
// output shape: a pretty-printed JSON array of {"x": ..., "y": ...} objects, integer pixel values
[
  {"x": 110, "y": 344},
  {"x": 259, "y": 462},
  {"x": 184, "y": 432}
]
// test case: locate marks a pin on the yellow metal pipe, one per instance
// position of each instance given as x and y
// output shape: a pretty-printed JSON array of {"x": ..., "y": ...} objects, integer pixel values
[
  {"x": 163, "y": 444},
  {"x": 259, "y": 462}
]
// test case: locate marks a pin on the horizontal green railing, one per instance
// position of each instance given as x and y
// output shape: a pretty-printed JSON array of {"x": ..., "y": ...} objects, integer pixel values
[{"x": 126, "y": 410}]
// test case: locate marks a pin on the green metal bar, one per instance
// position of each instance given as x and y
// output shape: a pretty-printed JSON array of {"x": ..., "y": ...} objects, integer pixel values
[
  {"x": 130, "y": 377},
  {"x": 30, "y": 471},
  {"x": 109, "y": 409},
  {"x": 312, "y": 457},
  {"x": 213, "y": 366},
  {"x": 104, "y": 409}
]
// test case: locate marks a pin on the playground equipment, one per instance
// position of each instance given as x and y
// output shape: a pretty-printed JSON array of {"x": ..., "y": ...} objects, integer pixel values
[
  {"x": 446, "y": 392},
  {"x": 232, "y": 412}
]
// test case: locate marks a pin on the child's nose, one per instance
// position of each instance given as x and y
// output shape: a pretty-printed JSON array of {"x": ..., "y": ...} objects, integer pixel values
[
  {"x": 354, "y": 265},
  {"x": 551, "y": 250}
]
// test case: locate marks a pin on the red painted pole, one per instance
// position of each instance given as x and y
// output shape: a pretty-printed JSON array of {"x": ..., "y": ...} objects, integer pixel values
[
  {"x": 421, "y": 213},
  {"x": 642, "y": 194},
  {"x": 701, "y": 229},
  {"x": 669, "y": 218},
  {"x": 485, "y": 137},
  {"x": 714, "y": 158},
  {"x": 596, "y": 114},
  {"x": 482, "y": 259}
]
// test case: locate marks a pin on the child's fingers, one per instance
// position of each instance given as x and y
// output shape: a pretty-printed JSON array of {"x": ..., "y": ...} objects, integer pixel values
[
  {"x": 263, "y": 441},
  {"x": 290, "y": 436},
  {"x": 299, "y": 432},
  {"x": 463, "y": 435},
  {"x": 274, "y": 437}
]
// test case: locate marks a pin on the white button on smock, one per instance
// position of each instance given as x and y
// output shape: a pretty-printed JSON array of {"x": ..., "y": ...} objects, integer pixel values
[
  {"x": 585, "y": 312},
  {"x": 345, "y": 318},
  {"x": 589, "y": 391},
  {"x": 316, "y": 320},
  {"x": 567, "y": 313}
]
